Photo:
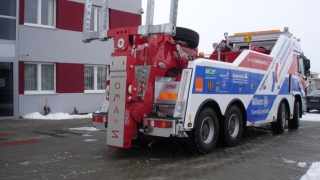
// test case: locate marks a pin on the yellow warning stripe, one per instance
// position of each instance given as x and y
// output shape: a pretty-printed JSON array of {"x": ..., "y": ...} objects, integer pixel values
[
  {"x": 171, "y": 96},
  {"x": 210, "y": 85}
]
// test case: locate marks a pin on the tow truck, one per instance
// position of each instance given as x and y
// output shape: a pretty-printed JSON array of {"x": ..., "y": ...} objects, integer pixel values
[{"x": 160, "y": 86}]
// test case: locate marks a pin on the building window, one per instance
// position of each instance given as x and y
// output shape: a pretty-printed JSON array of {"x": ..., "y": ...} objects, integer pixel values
[
  {"x": 40, "y": 13},
  {"x": 39, "y": 78},
  {"x": 94, "y": 20},
  {"x": 8, "y": 19},
  {"x": 95, "y": 78}
]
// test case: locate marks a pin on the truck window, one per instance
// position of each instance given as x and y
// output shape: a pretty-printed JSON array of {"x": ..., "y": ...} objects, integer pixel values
[{"x": 301, "y": 65}]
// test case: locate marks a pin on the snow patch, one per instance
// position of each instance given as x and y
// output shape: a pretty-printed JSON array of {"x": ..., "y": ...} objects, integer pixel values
[
  {"x": 87, "y": 135},
  {"x": 25, "y": 163},
  {"x": 302, "y": 164},
  {"x": 84, "y": 129},
  {"x": 289, "y": 161},
  {"x": 311, "y": 117},
  {"x": 56, "y": 116},
  {"x": 90, "y": 140},
  {"x": 313, "y": 172}
]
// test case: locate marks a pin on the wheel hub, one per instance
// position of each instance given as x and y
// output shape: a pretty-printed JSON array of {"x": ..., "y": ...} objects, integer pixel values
[
  {"x": 207, "y": 130},
  {"x": 233, "y": 126},
  {"x": 283, "y": 118}
]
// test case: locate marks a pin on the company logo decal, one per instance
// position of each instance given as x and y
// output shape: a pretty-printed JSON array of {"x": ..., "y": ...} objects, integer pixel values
[
  {"x": 260, "y": 102},
  {"x": 171, "y": 86},
  {"x": 199, "y": 84},
  {"x": 210, "y": 71},
  {"x": 225, "y": 75},
  {"x": 240, "y": 76}
]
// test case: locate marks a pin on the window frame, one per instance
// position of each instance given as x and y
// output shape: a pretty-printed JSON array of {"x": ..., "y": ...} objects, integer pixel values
[
  {"x": 95, "y": 78},
  {"x": 11, "y": 18},
  {"x": 38, "y": 24},
  {"x": 96, "y": 11},
  {"x": 301, "y": 65},
  {"x": 39, "y": 78}
]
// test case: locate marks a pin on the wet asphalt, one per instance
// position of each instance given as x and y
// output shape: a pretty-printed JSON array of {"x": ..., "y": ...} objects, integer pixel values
[{"x": 48, "y": 149}]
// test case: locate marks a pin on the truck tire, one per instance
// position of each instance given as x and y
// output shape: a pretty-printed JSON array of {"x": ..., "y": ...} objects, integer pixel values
[
  {"x": 141, "y": 141},
  {"x": 295, "y": 121},
  {"x": 188, "y": 36},
  {"x": 205, "y": 133},
  {"x": 280, "y": 125},
  {"x": 231, "y": 128}
]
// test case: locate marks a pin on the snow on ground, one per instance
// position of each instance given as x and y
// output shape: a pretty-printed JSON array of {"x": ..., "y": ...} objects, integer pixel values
[
  {"x": 313, "y": 172},
  {"x": 90, "y": 140},
  {"x": 302, "y": 164},
  {"x": 56, "y": 116},
  {"x": 314, "y": 115},
  {"x": 84, "y": 129}
]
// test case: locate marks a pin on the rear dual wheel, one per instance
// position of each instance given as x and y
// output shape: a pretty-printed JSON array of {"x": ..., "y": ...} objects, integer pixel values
[
  {"x": 294, "y": 123},
  {"x": 205, "y": 134},
  {"x": 280, "y": 125},
  {"x": 231, "y": 128}
]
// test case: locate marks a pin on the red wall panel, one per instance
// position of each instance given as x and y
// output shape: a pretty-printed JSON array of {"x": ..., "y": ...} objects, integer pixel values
[
  {"x": 123, "y": 19},
  {"x": 21, "y": 12},
  {"x": 70, "y": 78},
  {"x": 70, "y": 15},
  {"x": 21, "y": 77}
]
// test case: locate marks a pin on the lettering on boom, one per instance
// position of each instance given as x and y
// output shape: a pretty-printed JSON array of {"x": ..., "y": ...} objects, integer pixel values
[{"x": 116, "y": 98}]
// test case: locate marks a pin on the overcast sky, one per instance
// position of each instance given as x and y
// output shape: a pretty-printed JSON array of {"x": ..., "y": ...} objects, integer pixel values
[{"x": 212, "y": 18}]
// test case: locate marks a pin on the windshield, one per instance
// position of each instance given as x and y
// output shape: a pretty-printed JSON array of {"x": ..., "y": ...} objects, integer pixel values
[{"x": 314, "y": 93}]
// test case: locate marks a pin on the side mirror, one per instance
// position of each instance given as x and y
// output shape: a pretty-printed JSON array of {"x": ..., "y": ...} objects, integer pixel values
[
  {"x": 307, "y": 73},
  {"x": 307, "y": 64}
]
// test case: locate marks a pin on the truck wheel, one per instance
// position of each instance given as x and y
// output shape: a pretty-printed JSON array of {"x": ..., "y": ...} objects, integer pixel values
[
  {"x": 141, "y": 141},
  {"x": 188, "y": 36},
  {"x": 231, "y": 128},
  {"x": 280, "y": 125},
  {"x": 206, "y": 131},
  {"x": 295, "y": 121}
]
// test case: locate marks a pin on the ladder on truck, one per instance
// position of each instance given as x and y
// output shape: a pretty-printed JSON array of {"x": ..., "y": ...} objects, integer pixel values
[
  {"x": 144, "y": 30},
  {"x": 258, "y": 38}
]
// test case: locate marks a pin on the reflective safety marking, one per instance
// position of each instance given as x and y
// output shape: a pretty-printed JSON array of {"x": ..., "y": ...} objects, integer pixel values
[
  {"x": 210, "y": 85},
  {"x": 22, "y": 142},
  {"x": 171, "y": 96},
  {"x": 4, "y": 134}
]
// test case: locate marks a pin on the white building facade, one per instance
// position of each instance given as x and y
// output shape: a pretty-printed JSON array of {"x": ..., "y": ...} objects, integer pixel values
[{"x": 43, "y": 60}]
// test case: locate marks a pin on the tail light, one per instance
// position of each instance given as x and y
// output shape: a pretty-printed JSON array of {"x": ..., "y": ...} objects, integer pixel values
[
  {"x": 159, "y": 123},
  {"x": 99, "y": 118}
]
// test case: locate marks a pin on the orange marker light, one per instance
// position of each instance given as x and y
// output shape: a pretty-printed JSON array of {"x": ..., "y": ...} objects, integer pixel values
[{"x": 201, "y": 54}]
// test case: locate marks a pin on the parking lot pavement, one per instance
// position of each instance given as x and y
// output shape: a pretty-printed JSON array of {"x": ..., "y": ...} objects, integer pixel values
[{"x": 37, "y": 149}]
